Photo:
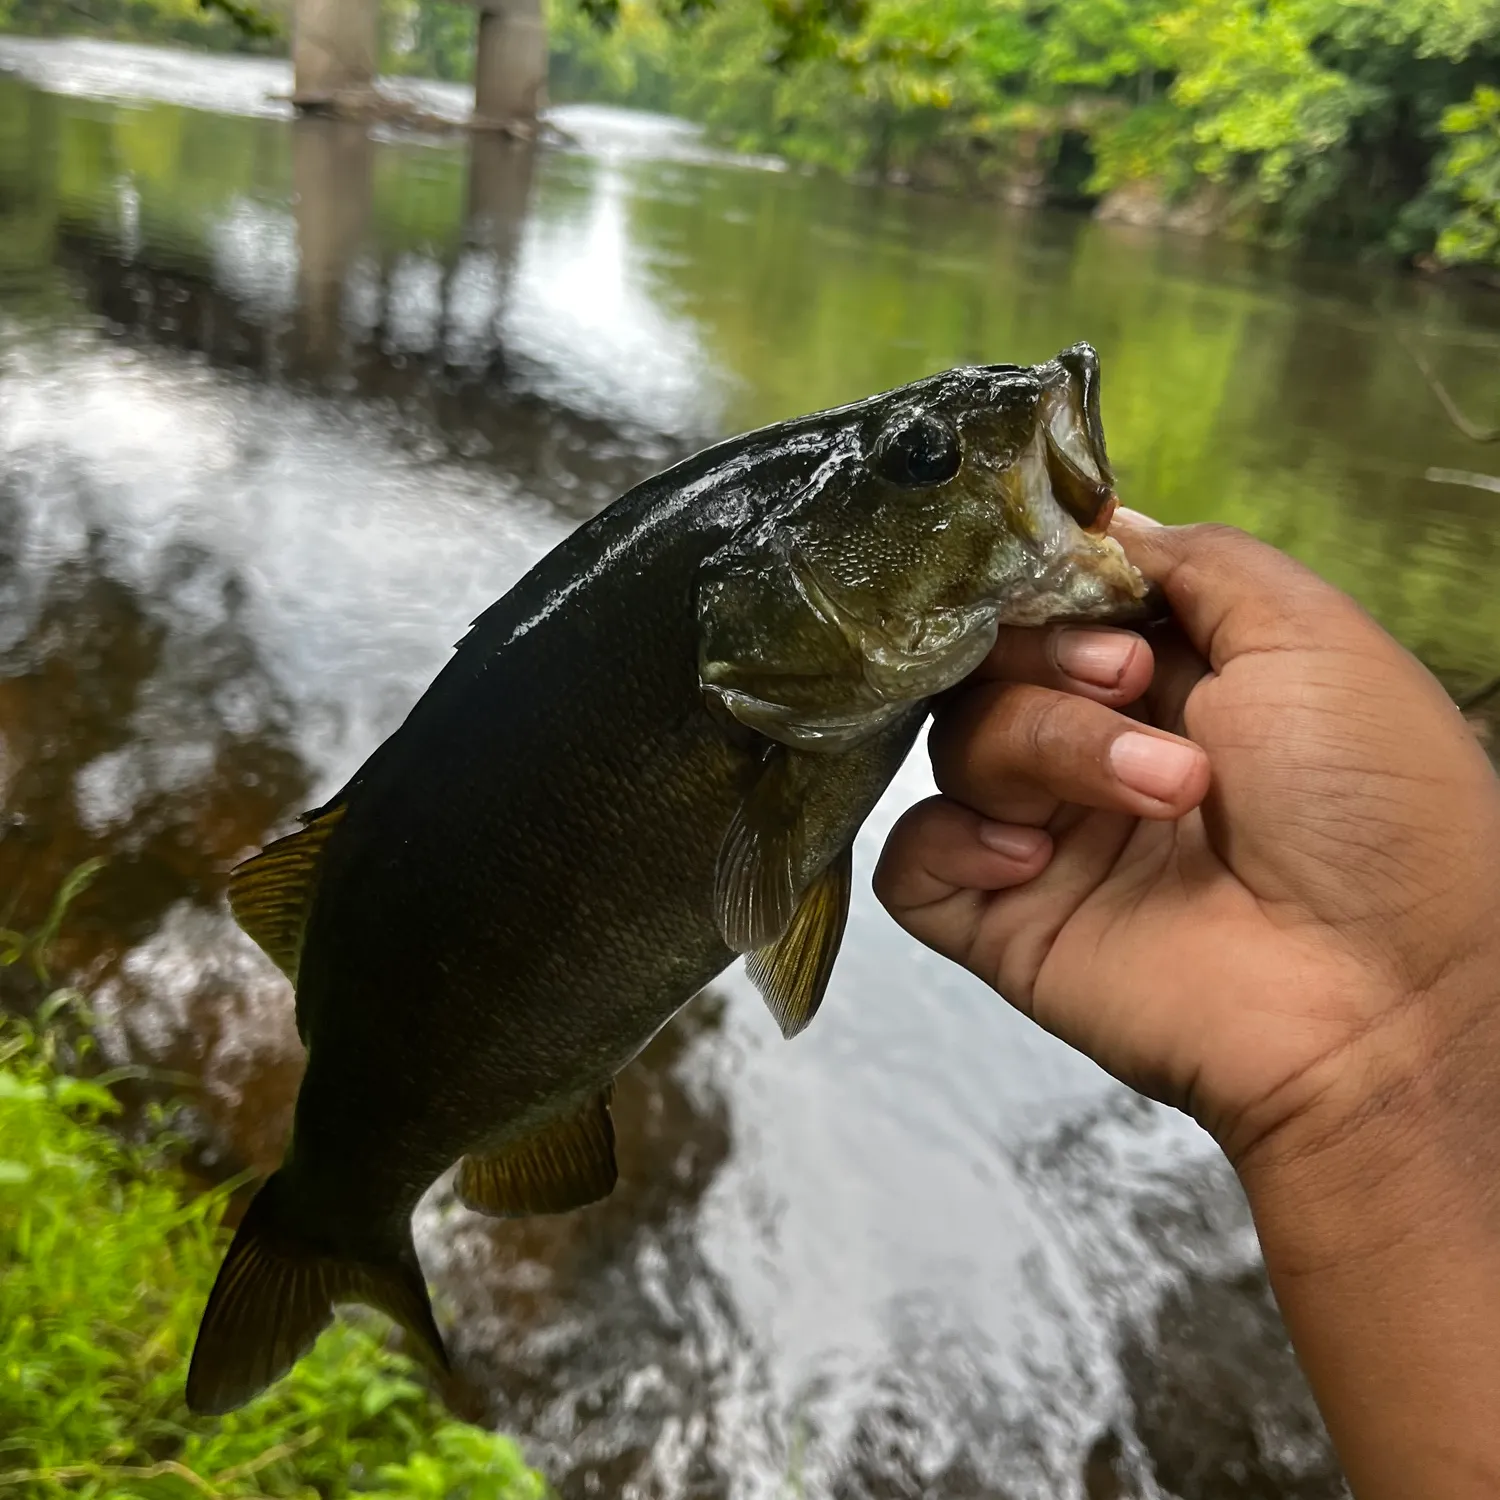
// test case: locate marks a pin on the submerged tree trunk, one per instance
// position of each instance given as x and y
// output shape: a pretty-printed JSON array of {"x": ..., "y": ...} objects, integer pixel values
[
  {"x": 510, "y": 64},
  {"x": 334, "y": 50}
]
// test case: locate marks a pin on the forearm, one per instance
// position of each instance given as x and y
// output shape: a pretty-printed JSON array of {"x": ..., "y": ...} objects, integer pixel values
[{"x": 1379, "y": 1217}]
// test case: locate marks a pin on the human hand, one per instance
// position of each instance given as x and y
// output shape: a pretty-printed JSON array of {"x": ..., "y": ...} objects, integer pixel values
[{"x": 1274, "y": 900}]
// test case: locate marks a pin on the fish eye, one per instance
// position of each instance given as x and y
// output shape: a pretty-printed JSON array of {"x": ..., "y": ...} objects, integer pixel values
[{"x": 919, "y": 449}]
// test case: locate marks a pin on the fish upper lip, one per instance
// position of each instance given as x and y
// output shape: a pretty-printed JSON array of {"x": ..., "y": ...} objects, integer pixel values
[{"x": 1077, "y": 460}]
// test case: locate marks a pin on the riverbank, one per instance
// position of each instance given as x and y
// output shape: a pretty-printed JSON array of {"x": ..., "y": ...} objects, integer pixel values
[
  {"x": 106, "y": 1256},
  {"x": 1371, "y": 127}
]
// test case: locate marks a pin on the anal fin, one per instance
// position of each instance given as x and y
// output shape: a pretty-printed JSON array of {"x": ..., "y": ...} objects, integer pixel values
[
  {"x": 271, "y": 894},
  {"x": 567, "y": 1165},
  {"x": 793, "y": 972}
]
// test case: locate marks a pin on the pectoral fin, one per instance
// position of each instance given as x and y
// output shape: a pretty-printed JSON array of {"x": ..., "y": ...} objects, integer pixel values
[
  {"x": 271, "y": 894},
  {"x": 754, "y": 886},
  {"x": 569, "y": 1164},
  {"x": 793, "y": 972}
]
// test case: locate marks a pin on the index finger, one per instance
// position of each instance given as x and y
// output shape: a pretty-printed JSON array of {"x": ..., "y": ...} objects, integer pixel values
[{"x": 1232, "y": 593}]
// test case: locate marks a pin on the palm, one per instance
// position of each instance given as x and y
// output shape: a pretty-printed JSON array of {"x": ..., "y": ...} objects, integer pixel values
[
  {"x": 1169, "y": 971},
  {"x": 1182, "y": 954}
]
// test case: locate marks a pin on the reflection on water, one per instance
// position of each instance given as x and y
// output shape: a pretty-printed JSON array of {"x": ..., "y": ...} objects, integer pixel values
[
  {"x": 606, "y": 1334},
  {"x": 283, "y": 407}
]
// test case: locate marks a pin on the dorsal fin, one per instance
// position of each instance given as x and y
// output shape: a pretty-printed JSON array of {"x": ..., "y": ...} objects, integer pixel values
[{"x": 270, "y": 894}]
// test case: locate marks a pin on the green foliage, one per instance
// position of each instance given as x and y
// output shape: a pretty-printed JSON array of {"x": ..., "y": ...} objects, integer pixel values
[
  {"x": 252, "y": 24},
  {"x": 429, "y": 39},
  {"x": 220, "y": 25},
  {"x": 1256, "y": 91},
  {"x": 105, "y": 1260},
  {"x": 1470, "y": 172},
  {"x": 1359, "y": 120},
  {"x": 32, "y": 946}
]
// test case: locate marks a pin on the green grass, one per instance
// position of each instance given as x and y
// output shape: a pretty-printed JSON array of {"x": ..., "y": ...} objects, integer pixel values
[{"x": 106, "y": 1258}]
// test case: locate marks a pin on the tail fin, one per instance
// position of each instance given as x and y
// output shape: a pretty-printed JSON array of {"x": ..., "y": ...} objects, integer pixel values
[{"x": 275, "y": 1294}]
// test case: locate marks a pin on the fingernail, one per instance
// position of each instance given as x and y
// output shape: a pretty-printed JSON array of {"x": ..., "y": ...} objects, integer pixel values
[
  {"x": 1012, "y": 839},
  {"x": 1138, "y": 517},
  {"x": 1154, "y": 767},
  {"x": 1098, "y": 657}
]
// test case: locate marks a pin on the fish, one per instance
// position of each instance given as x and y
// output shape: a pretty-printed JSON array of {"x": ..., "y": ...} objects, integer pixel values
[{"x": 649, "y": 758}]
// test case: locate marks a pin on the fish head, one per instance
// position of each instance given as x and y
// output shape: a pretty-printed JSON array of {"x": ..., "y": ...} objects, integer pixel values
[{"x": 932, "y": 515}]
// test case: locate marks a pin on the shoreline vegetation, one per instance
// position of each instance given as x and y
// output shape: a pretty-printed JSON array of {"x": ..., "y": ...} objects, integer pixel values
[
  {"x": 1367, "y": 126},
  {"x": 107, "y": 1252}
]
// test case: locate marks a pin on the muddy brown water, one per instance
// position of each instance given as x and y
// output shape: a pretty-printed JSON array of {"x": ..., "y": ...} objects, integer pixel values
[{"x": 283, "y": 406}]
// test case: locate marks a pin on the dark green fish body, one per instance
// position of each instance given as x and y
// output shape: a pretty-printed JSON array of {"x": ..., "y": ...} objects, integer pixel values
[
  {"x": 561, "y": 778},
  {"x": 650, "y": 756}
]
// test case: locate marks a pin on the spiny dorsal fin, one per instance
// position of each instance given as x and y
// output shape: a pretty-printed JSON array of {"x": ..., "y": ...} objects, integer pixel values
[
  {"x": 793, "y": 973},
  {"x": 270, "y": 894},
  {"x": 568, "y": 1164},
  {"x": 275, "y": 1294},
  {"x": 754, "y": 884}
]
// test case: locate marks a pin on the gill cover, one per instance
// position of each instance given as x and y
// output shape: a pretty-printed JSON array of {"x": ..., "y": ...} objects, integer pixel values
[{"x": 796, "y": 640}]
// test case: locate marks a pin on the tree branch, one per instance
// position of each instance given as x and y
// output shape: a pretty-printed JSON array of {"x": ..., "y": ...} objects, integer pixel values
[{"x": 1469, "y": 429}]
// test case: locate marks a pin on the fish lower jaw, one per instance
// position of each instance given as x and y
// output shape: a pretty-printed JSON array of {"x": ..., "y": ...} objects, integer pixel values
[
  {"x": 1089, "y": 580},
  {"x": 1074, "y": 573}
]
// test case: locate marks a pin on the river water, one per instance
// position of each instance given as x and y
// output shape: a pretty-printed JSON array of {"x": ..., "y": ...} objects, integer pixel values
[{"x": 284, "y": 405}]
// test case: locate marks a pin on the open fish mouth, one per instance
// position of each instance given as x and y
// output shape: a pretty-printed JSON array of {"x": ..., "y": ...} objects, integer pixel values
[
  {"x": 1076, "y": 570},
  {"x": 1061, "y": 491},
  {"x": 1073, "y": 437}
]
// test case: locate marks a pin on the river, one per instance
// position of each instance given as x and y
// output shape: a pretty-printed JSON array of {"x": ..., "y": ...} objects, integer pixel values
[{"x": 284, "y": 405}]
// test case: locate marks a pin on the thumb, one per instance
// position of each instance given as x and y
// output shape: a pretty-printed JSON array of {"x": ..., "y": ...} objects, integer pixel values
[{"x": 1233, "y": 594}]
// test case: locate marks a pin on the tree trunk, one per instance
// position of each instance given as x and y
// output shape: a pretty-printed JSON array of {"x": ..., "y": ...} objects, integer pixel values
[
  {"x": 510, "y": 65},
  {"x": 334, "y": 45}
]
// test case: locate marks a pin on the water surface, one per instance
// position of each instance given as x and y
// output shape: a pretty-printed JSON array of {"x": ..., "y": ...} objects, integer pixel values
[{"x": 283, "y": 406}]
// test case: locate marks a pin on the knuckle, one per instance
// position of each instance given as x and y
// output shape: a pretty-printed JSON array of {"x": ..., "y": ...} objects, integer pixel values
[
  {"x": 901, "y": 846},
  {"x": 958, "y": 725},
  {"x": 1044, "y": 726},
  {"x": 1219, "y": 534},
  {"x": 1008, "y": 729}
]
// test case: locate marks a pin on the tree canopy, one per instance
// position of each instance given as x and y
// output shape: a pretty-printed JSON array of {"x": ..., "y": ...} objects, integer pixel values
[{"x": 1371, "y": 122}]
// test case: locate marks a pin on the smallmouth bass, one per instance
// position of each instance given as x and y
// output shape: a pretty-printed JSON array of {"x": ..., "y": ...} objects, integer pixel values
[{"x": 651, "y": 756}]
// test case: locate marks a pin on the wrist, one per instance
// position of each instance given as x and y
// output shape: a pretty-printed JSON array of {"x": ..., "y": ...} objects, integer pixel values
[
  {"x": 1402, "y": 1117},
  {"x": 1378, "y": 1210}
]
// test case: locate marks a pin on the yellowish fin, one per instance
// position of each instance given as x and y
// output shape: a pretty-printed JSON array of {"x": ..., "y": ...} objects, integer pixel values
[
  {"x": 275, "y": 1294},
  {"x": 793, "y": 972},
  {"x": 571, "y": 1163},
  {"x": 754, "y": 883},
  {"x": 271, "y": 894}
]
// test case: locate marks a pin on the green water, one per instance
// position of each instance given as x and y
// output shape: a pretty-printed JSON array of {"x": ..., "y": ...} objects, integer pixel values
[{"x": 1271, "y": 394}]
